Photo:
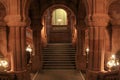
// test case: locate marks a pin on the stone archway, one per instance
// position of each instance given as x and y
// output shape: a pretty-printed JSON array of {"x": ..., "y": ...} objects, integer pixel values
[
  {"x": 114, "y": 13},
  {"x": 47, "y": 16}
]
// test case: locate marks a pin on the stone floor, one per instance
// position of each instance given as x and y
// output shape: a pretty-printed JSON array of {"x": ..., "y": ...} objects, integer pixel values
[{"x": 58, "y": 75}]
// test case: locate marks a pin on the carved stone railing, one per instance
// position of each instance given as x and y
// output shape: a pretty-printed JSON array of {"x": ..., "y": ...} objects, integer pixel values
[
  {"x": 112, "y": 75},
  {"x": 7, "y": 76}
]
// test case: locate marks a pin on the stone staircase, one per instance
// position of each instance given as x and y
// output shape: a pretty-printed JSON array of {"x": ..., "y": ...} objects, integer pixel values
[{"x": 59, "y": 56}]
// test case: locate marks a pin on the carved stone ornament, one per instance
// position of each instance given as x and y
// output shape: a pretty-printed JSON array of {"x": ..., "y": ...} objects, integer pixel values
[
  {"x": 14, "y": 21},
  {"x": 98, "y": 20}
]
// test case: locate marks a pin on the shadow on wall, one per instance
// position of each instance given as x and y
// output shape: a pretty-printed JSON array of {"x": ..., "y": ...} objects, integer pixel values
[{"x": 118, "y": 54}]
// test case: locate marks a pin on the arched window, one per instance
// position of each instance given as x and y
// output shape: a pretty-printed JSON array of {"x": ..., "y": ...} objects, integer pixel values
[{"x": 59, "y": 17}]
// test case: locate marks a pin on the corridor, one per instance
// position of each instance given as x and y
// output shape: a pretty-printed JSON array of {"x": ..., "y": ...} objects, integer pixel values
[{"x": 58, "y": 75}]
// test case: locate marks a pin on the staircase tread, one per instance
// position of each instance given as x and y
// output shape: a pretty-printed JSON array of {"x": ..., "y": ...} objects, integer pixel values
[{"x": 59, "y": 56}]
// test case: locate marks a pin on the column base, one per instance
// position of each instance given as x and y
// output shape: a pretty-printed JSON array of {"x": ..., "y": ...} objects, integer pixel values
[{"x": 20, "y": 75}]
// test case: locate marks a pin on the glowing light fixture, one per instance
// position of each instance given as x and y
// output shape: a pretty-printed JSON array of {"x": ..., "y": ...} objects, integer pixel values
[
  {"x": 3, "y": 64},
  {"x": 87, "y": 50},
  {"x": 112, "y": 62},
  {"x": 29, "y": 49}
]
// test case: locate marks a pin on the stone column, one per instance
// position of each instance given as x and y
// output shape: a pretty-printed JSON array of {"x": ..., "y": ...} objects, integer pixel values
[
  {"x": 3, "y": 39},
  {"x": 80, "y": 58},
  {"x": 17, "y": 46},
  {"x": 97, "y": 27},
  {"x": 37, "y": 59}
]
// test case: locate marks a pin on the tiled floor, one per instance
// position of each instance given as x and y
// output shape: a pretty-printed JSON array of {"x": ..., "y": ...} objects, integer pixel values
[{"x": 58, "y": 75}]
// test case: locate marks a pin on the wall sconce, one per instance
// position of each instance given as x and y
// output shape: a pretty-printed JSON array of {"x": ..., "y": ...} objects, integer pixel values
[
  {"x": 113, "y": 62},
  {"x": 29, "y": 48},
  {"x": 4, "y": 65},
  {"x": 87, "y": 55},
  {"x": 86, "y": 52},
  {"x": 29, "y": 54}
]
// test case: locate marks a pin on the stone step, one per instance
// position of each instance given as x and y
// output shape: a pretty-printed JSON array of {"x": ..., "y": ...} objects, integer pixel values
[
  {"x": 59, "y": 67},
  {"x": 59, "y": 56},
  {"x": 47, "y": 54}
]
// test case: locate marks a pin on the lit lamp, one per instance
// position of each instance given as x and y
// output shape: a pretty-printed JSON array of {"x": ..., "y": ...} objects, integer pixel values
[
  {"x": 87, "y": 53},
  {"x": 87, "y": 50},
  {"x": 3, "y": 64},
  {"x": 112, "y": 62},
  {"x": 29, "y": 49}
]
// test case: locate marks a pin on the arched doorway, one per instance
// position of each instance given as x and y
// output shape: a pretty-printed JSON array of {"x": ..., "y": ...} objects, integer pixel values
[
  {"x": 58, "y": 27},
  {"x": 59, "y": 21}
]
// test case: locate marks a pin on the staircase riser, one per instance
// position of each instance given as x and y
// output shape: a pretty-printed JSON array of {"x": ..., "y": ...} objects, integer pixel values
[{"x": 59, "y": 56}]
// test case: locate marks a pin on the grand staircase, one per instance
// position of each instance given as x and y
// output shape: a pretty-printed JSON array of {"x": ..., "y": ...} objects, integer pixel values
[{"x": 59, "y": 56}]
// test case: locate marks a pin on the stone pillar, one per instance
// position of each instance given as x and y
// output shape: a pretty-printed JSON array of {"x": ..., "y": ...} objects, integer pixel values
[
  {"x": 97, "y": 27},
  {"x": 17, "y": 46},
  {"x": 37, "y": 59},
  {"x": 80, "y": 58},
  {"x": 3, "y": 39}
]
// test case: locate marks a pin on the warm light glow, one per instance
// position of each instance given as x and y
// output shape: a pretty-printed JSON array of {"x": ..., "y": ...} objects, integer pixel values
[
  {"x": 4, "y": 63},
  {"x": 29, "y": 49},
  {"x": 113, "y": 56},
  {"x": 112, "y": 62},
  {"x": 59, "y": 20},
  {"x": 87, "y": 49}
]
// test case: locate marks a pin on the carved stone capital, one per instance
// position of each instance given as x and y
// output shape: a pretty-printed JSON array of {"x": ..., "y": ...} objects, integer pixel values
[
  {"x": 14, "y": 21},
  {"x": 98, "y": 20}
]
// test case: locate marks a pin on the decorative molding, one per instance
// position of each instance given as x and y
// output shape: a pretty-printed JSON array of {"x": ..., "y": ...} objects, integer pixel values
[
  {"x": 100, "y": 20},
  {"x": 97, "y": 20},
  {"x": 14, "y": 21}
]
